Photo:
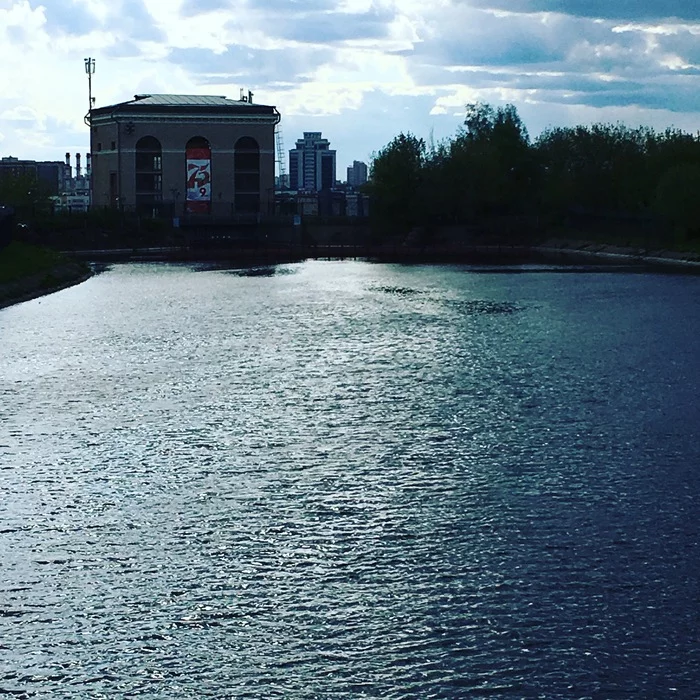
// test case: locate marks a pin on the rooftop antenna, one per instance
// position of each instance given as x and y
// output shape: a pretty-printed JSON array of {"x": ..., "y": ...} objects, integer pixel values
[{"x": 89, "y": 69}]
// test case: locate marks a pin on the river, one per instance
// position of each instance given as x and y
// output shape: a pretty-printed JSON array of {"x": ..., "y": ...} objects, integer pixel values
[{"x": 351, "y": 480}]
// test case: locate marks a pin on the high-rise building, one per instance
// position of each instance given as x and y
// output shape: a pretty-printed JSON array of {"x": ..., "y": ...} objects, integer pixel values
[
  {"x": 312, "y": 163},
  {"x": 357, "y": 173}
]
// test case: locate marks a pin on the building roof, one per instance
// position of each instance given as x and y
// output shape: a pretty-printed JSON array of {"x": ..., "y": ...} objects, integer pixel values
[
  {"x": 189, "y": 100},
  {"x": 172, "y": 106}
]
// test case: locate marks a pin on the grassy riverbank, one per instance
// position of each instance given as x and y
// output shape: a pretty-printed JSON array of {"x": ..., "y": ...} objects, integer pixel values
[{"x": 28, "y": 271}]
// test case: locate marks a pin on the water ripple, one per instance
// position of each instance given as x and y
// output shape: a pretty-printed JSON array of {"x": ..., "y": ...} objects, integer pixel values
[{"x": 351, "y": 480}]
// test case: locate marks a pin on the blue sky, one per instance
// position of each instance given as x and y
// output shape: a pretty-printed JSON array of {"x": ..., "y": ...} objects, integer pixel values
[{"x": 360, "y": 71}]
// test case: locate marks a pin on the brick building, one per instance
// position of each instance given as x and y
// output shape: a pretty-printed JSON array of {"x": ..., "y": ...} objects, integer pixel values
[{"x": 184, "y": 155}]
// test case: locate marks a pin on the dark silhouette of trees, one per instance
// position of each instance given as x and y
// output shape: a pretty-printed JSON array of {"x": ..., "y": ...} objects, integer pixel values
[
  {"x": 397, "y": 177},
  {"x": 496, "y": 146},
  {"x": 26, "y": 194},
  {"x": 600, "y": 168},
  {"x": 677, "y": 197},
  {"x": 488, "y": 168},
  {"x": 491, "y": 169}
]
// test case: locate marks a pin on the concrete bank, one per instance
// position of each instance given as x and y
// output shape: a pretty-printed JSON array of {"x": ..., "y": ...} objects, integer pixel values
[{"x": 585, "y": 251}]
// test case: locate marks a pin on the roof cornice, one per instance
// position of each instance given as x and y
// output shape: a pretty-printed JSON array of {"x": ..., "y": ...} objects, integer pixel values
[{"x": 155, "y": 116}]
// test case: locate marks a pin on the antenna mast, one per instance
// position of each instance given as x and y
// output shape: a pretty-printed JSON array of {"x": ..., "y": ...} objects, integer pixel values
[{"x": 89, "y": 69}]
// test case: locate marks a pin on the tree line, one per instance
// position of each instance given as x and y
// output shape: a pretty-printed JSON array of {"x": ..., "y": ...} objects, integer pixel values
[{"x": 492, "y": 170}]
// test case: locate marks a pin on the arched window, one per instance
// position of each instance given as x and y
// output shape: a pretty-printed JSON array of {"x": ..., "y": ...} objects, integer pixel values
[
  {"x": 246, "y": 175},
  {"x": 149, "y": 176},
  {"x": 198, "y": 176}
]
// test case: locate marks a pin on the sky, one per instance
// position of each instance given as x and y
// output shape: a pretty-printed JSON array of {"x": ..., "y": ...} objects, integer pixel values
[{"x": 360, "y": 71}]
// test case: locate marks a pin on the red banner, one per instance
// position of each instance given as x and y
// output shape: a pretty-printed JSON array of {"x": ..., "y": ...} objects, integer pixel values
[{"x": 198, "y": 185}]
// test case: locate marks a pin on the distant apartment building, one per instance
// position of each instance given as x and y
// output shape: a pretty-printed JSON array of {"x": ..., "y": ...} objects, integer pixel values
[
  {"x": 356, "y": 204},
  {"x": 307, "y": 204},
  {"x": 312, "y": 164},
  {"x": 52, "y": 175},
  {"x": 357, "y": 173},
  {"x": 282, "y": 182},
  {"x": 55, "y": 178}
]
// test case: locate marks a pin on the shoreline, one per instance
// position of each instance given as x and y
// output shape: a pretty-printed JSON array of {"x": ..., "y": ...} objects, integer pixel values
[
  {"x": 32, "y": 287},
  {"x": 554, "y": 251},
  {"x": 658, "y": 258}
]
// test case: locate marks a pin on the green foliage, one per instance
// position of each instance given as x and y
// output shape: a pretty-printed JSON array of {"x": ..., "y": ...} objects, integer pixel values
[
  {"x": 677, "y": 198},
  {"x": 20, "y": 260},
  {"x": 500, "y": 126},
  {"x": 495, "y": 147},
  {"x": 49, "y": 281},
  {"x": 609, "y": 174},
  {"x": 28, "y": 196},
  {"x": 486, "y": 169},
  {"x": 602, "y": 167},
  {"x": 396, "y": 177}
]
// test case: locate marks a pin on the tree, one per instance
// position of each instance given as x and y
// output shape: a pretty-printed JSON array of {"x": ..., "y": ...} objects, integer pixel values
[
  {"x": 677, "y": 198},
  {"x": 601, "y": 168},
  {"x": 495, "y": 146},
  {"x": 25, "y": 193},
  {"x": 396, "y": 177}
]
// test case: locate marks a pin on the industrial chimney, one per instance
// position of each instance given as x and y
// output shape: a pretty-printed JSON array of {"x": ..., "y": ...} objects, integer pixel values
[
  {"x": 88, "y": 165},
  {"x": 77, "y": 164}
]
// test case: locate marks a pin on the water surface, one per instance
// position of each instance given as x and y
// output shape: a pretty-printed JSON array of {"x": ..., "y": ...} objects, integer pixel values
[{"x": 339, "y": 479}]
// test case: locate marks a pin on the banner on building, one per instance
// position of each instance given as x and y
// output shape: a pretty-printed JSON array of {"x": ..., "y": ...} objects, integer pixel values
[{"x": 198, "y": 180}]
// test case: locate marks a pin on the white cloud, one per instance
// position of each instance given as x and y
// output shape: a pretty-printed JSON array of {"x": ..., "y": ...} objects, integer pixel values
[
  {"x": 19, "y": 113},
  {"x": 361, "y": 71}
]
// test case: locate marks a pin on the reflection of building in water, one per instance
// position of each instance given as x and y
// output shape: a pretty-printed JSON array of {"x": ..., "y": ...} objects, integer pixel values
[{"x": 191, "y": 154}]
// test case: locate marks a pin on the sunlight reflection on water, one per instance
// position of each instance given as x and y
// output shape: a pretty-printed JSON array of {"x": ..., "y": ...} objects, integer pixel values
[{"x": 350, "y": 480}]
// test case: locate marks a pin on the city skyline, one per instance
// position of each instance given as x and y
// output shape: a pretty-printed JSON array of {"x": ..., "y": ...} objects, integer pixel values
[{"x": 360, "y": 71}]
